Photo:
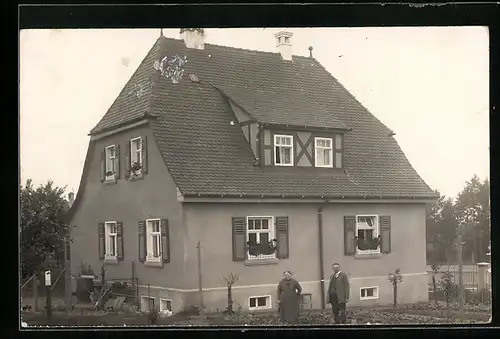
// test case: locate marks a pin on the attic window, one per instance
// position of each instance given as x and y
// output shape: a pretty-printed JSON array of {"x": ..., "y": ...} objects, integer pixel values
[{"x": 283, "y": 146}]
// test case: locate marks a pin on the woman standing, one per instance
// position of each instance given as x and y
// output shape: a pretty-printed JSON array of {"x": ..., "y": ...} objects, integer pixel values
[{"x": 288, "y": 298}]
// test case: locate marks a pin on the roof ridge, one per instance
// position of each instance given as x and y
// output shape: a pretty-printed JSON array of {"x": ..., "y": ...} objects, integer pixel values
[{"x": 236, "y": 48}]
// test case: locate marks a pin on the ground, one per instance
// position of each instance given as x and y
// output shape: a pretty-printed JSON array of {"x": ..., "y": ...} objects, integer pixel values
[{"x": 427, "y": 313}]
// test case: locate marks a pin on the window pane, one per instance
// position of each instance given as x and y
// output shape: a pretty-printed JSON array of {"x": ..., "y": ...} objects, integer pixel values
[
  {"x": 250, "y": 224},
  {"x": 328, "y": 143},
  {"x": 257, "y": 224},
  {"x": 327, "y": 157},
  {"x": 361, "y": 234},
  {"x": 288, "y": 141},
  {"x": 363, "y": 293},
  {"x": 156, "y": 246},
  {"x": 112, "y": 245},
  {"x": 369, "y": 292},
  {"x": 265, "y": 224},
  {"x": 286, "y": 155},
  {"x": 261, "y": 301},
  {"x": 252, "y": 238},
  {"x": 338, "y": 142},
  {"x": 277, "y": 155},
  {"x": 169, "y": 305},
  {"x": 156, "y": 226},
  {"x": 253, "y": 302},
  {"x": 264, "y": 238},
  {"x": 338, "y": 160}
]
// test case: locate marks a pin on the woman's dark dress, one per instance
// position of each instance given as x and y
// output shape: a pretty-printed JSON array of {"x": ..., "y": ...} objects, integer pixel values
[{"x": 288, "y": 295}]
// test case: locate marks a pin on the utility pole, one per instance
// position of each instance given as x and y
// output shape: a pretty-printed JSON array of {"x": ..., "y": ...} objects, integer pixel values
[
  {"x": 460, "y": 244},
  {"x": 200, "y": 288}
]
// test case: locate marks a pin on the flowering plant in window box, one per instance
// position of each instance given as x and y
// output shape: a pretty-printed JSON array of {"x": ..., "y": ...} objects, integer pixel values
[
  {"x": 264, "y": 248},
  {"x": 365, "y": 244},
  {"x": 135, "y": 168},
  {"x": 109, "y": 173}
]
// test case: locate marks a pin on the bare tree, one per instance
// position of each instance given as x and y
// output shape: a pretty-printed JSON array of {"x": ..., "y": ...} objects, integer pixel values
[{"x": 231, "y": 279}]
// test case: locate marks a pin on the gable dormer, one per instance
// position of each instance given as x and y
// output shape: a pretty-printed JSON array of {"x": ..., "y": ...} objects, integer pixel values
[{"x": 306, "y": 148}]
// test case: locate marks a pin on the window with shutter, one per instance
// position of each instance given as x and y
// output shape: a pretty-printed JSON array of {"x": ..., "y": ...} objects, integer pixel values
[
  {"x": 127, "y": 161},
  {"x": 165, "y": 241},
  {"x": 239, "y": 238},
  {"x": 260, "y": 238},
  {"x": 119, "y": 241},
  {"x": 349, "y": 235},
  {"x": 154, "y": 241},
  {"x": 385, "y": 229},
  {"x": 101, "y": 240},
  {"x": 103, "y": 166},
  {"x": 141, "y": 228},
  {"x": 117, "y": 162},
  {"x": 282, "y": 237}
]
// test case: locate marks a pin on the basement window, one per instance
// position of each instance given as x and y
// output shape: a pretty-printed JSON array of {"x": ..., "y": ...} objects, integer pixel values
[
  {"x": 165, "y": 305},
  {"x": 367, "y": 293},
  {"x": 259, "y": 302}
]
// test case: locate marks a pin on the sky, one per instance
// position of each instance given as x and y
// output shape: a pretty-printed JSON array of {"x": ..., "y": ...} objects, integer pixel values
[{"x": 430, "y": 85}]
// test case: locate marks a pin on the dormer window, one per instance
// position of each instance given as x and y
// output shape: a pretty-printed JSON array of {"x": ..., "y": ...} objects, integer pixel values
[
  {"x": 283, "y": 150},
  {"x": 324, "y": 152},
  {"x": 287, "y": 40}
]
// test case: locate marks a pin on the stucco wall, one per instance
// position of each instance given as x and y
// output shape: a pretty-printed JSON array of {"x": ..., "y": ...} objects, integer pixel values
[
  {"x": 211, "y": 225},
  {"x": 129, "y": 201}
]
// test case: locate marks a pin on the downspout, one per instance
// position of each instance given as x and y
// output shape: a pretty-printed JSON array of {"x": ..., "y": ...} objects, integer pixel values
[{"x": 321, "y": 255}]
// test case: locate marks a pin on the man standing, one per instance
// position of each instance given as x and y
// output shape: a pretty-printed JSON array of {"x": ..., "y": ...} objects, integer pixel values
[{"x": 338, "y": 294}]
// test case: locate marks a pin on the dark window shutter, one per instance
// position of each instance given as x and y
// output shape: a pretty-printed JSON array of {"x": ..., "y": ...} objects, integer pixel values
[
  {"x": 239, "y": 238},
  {"x": 119, "y": 240},
  {"x": 349, "y": 235},
  {"x": 165, "y": 241},
  {"x": 117, "y": 161},
  {"x": 101, "y": 241},
  {"x": 103, "y": 165},
  {"x": 142, "y": 240},
  {"x": 144, "y": 152},
  {"x": 385, "y": 232},
  {"x": 282, "y": 237},
  {"x": 127, "y": 160}
]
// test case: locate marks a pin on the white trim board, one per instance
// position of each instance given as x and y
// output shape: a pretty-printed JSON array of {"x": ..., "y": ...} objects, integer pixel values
[{"x": 224, "y": 288}]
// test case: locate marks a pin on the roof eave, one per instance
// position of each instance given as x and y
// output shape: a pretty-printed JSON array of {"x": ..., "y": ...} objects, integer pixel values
[
  {"x": 306, "y": 127},
  {"x": 293, "y": 196}
]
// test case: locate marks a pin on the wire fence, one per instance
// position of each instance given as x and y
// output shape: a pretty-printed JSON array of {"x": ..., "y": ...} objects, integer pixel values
[
  {"x": 80, "y": 289},
  {"x": 476, "y": 282}
]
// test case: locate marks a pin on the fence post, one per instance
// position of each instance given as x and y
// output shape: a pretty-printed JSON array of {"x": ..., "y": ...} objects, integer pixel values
[
  {"x": 460, "y": 244},
  {"x": 35, "y": 291},
  {"x": 67, "y": 276}
]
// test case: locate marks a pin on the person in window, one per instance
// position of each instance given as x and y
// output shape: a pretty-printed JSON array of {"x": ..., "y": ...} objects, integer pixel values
[
  {"x": 338, "y": 294},
  {"x": 289, "y": 291}
]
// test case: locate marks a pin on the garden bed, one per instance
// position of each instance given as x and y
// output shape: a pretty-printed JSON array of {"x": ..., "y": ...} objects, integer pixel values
[{"x": 417, "y": 314}]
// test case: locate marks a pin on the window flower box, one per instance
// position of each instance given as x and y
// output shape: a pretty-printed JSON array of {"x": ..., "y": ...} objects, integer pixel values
[
  {"x": 368, "y": 244},
  {"x": 255, "y": 249}
]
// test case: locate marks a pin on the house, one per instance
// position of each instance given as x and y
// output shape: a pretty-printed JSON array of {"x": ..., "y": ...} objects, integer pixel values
[{"x": 267, "y": 161}]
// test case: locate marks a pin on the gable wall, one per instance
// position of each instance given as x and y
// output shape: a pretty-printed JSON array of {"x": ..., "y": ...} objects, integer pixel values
[{"x": 129, "y": 201}]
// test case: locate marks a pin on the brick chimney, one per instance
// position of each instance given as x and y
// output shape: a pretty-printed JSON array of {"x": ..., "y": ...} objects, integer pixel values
[
  {"x": 71, "y": 197},
  {"x": 284, "y": 44},
  {"x": 193, "y": 37}
]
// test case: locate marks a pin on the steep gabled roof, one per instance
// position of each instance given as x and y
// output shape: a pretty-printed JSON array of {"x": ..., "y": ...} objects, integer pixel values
[{"x": 206, "y": 155}]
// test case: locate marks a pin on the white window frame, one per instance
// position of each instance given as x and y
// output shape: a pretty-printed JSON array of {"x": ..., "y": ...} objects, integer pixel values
[
  {"x": 138, "y": 152},
  {"x": 166, "y": 301},
  {"x": 269, "y": 302},
  {"x": 107, "y": 241},
  {"x": 270, "y": 230},
  {"x": 145, "y": 297},
  {"x": 375, "y": 293},
  {"x": 322, "y": 148},
  {"x": 149, "y": 241},
  {"x": 110, "y": 161},
  {"x": 376, "y": 233},
  {"x": 279, "y": 145}
]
